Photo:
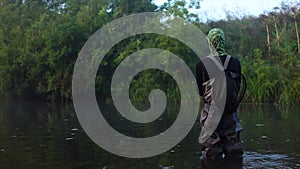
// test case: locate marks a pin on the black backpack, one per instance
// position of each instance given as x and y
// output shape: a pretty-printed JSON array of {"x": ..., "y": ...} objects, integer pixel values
[{"x": 218, "y": 89}]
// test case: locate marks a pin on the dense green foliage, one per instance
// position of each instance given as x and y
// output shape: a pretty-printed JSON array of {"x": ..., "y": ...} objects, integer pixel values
[{"x": 40, "y": 41}]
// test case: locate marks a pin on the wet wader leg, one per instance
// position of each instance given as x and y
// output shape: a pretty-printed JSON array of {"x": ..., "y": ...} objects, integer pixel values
[
  {"x": 233, "y": 147},
  {"x": 212, "y": 148},
  {"x": 212, "y": 153}
]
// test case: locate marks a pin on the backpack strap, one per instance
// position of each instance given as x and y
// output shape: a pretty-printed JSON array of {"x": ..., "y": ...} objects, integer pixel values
[
  {"x": 227, "y": 61},
  {"x": 216, "y": 61},
  {"x": 219, "y": 65}
]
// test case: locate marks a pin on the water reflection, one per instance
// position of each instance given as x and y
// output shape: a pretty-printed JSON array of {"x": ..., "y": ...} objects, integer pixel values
[
  {"x": 47, "y": 135},
  {"x": 233, "y": 163}
]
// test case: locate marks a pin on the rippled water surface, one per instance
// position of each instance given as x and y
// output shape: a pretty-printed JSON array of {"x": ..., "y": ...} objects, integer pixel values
[{"x": 36, "y": 135}]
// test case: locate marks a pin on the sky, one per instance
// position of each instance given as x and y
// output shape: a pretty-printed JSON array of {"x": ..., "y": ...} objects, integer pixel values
[{"x": 217, "y": 9}]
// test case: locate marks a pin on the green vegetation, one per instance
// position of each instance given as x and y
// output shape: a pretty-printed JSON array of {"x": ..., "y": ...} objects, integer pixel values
[{"x": 40, "y": 41}]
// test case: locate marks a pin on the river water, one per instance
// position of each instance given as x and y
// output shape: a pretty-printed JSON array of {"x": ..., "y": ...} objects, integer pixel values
[{"x": 35, "y": 135}]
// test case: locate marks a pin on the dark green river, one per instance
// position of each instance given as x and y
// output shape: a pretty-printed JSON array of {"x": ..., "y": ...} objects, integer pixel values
[{"x": 39, "y": 135}]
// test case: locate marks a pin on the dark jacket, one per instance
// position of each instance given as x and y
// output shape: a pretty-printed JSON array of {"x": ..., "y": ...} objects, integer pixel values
[{"x": 202, "y": 74}]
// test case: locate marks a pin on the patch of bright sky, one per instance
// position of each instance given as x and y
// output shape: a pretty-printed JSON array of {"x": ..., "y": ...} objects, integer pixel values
[{"x": 217, "y": 9}]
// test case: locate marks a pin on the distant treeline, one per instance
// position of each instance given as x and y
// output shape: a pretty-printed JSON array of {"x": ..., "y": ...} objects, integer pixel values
[{"x": 40, "y": 41}]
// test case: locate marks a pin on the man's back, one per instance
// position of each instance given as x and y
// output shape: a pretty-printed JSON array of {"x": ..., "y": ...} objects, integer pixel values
[
  {"x": 225, "y": 139},
  {"x": 203, "y": 76}
]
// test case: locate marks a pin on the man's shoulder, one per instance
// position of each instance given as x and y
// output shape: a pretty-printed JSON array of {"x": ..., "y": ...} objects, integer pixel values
[
  {"x": 208, "y": 60},
  {"x": 235, "y": 60}
]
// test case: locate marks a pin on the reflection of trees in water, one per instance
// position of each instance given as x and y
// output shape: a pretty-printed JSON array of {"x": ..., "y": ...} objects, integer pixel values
[
  {"x": 41, "y": 128},
  {"x": 270, "y": 129}
]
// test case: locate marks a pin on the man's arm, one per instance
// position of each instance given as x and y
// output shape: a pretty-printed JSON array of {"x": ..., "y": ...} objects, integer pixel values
[{"x": 199, "y": 77}]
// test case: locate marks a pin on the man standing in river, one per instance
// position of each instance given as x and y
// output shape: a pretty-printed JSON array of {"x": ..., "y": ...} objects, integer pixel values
[{"x": 225, "y": 141}]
